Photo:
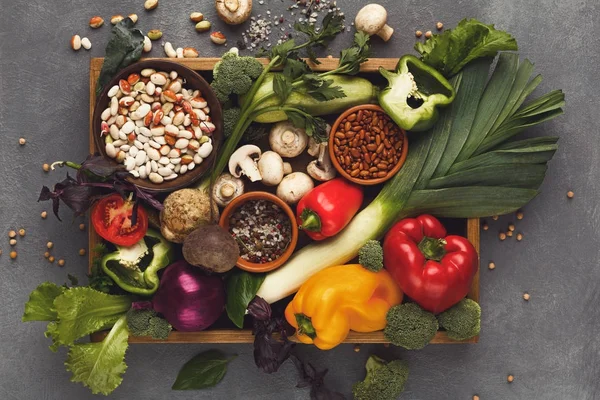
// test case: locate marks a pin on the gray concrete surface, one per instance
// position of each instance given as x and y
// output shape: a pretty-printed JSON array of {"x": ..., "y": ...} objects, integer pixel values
[{"x": 550, "y": 344}]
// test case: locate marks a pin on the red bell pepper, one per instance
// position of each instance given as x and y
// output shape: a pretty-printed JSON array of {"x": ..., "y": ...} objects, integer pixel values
[
  {"x": 433, "y": 269},
  {"x": 327, "y": 209}
]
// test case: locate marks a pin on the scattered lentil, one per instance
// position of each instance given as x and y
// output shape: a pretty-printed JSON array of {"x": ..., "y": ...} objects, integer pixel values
[
  {"x": 491, "y": 265},
  {"x": 509, "y": 233},
  {"x": 510, "y": 378},
  {"x": 511, "y": 227},
  {"x": 419, "y": 34},
  {"x": 526, "y": 296},
  {"x": 485, "y": 226},
  {"x": 495, "y": 217},
  {"x": 82, "y": 252},
  {"x": 13, "y": 254},
  {"x": 22, "y": 141},
  {"x": 570, "y": 194},
  {"x": 81, "y": 227},
  {"x": 502, "y": 236},
  {"x": 46, "y": 167},
  {"x": 519, "y": 215},
  {"x": 428, "y": 34},
  {"x": 12, "y": 234},
  {"x": 49, "y": 245},
  {"x": 21, "y": 232},
  {"x": 61, "y": 263},
  {"x": 12, "y": 242},
  {"x": 44, "y": 214},
  {"x": 475, "y": 397},
  {"x": 356, "y": 348},
  {"x": 47, "y": 254},
  {"x": 439, "y": 26},
  {"x": 262, "y": 230},
  {"x": 519, "y": 236},
  {"x": 51, "y": 259}
]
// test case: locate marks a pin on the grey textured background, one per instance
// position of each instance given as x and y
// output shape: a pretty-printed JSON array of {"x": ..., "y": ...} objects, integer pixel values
[{"x": 550, "y": 343}]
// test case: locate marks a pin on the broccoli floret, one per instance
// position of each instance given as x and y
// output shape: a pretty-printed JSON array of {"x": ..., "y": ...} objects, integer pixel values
[
  {"x": 462, "y": 321},
  {"x": 230, "y": 118},
  {"x": 370, "y": 256},
  {"x": 146, "y": 322},
  {"x": 409, "y": 326},
  {"x": 384, "y": 380},
  {"x": 234, "y": 75}
]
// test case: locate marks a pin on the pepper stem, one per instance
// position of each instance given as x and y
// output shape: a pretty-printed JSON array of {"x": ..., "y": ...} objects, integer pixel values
[
  {"x": 310, "y": 221},
  {"x": 432, "y": 248},
  {"x": 305, "y": 326}
]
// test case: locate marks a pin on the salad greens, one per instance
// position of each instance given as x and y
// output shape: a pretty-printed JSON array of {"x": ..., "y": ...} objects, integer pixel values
[
  {"x": 450, "y": 51},
  {"x": 241, "y": 287},
  {"x": 203, "y": 371},
  {"x": 77, "y": 312}
]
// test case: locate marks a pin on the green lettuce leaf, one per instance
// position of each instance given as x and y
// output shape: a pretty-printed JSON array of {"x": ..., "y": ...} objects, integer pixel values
[
  {"x": 100, "y": 366},
  {"x": 40, "y": 306},
  {"x": 450, "y": 51},
  {"x": 82, "y": 310}
]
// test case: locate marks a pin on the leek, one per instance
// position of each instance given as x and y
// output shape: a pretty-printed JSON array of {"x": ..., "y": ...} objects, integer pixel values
[{"x": 462, "y": 168}]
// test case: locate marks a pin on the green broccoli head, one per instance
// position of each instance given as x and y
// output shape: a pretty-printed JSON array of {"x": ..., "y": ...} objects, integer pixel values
[
  {"x": 146, "y": 322},
  {"x": 384, "y": 380},
  {"x": 234, "y": 75},
  {"x": 370, "y": 256},
  {"x": 409, "y": 326},
  {"x": 230, "y": 118},
  {"x": 462, "y": 321}
]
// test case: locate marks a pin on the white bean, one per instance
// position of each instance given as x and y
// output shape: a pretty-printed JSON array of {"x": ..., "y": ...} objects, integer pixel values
[
  {"x": 112, "y": 120},
  {"x": 153, "y": 144},
  {"x": 129, "y": 163},
  {"x": 160, "y": 140},
  {"x": 122, "y": 136},
  {"x": 170, "y": 177},
  {"x": 171, "y": 166},
  {"x": 133, "y": 151},
  {"x": 153, "y": 154},
  {"x": 179, "y": 118},
  {"x": 158, "y": 131},
  {"x": 174, "y": 153},
  {"x": 175, "y": 161},
  {"x": 128, "y": 127},
  {"x": 110, "y": 150},
  {"x": 142, "y": 172},
  {"x": 138, "y": 144},
  {"x": 185, "y": 134},
  {"x": 143, "y": 109},
  {"x": 158, "y": 79},
  {"x": 150, "y": 87},
  {"x": 105, "y": 114},
  {"x": 114, "y": 106},
  {"x": 135, "y": 173},
  {"x": 155, "y": 178},
  {"x": 114, "y": 131},
  {"x": 145, "y": 131},
  {"x": 143, "y": 139},
  {"x": 118, "y": 143},
  {"x": 191, "y": 166},
  {"x": 146, "y": 146},
  {"x": 177, "y": 168},
  {"x": 197, "y": 158},
  {"x": 113, "y": 91},
  {"x": 205, "y": 150},
  {"x": 183, "y": 169},
  {"x": 154, "y": 166},
  {"x": 165, "y": 171},
  {"x": 125, "y": 147},
  {"x": 173, "y": 75},
  {"x": 163, "y": 160},
  {"x": 141, "y": 158},
  {"x": 148, "y": 167},
  {"x": 171, "y": 129},
  {"x": 182, "y": 144}
]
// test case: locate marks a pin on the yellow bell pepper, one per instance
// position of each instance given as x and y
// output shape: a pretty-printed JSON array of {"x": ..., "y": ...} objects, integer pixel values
[{"x": 338, "y": 299}]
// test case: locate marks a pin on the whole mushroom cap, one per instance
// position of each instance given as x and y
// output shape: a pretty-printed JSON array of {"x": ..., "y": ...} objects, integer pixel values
[
  {"x": 287, "y": 140},
  {"x": 371, "y": 18},
  {"x": 234, "y": 12}
]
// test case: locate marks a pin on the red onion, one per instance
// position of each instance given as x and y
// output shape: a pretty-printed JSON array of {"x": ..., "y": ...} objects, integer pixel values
[{"x": 188, "y": 299}]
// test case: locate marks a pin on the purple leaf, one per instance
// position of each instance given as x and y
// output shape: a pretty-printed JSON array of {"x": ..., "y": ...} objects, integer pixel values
[{"x": 259, "y": 309}]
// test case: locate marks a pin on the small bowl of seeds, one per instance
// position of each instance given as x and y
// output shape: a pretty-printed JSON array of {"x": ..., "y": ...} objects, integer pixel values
[
  {"x": 366, "y": 146},
  {"x": 264, "y": 227}
]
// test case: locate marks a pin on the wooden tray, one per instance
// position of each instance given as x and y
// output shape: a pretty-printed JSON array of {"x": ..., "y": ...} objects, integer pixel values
[{"x": 234, "y": 335}]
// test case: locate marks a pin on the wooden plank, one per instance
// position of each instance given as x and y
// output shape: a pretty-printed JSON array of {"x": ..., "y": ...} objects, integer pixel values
[{"x": 245, "y": 336}]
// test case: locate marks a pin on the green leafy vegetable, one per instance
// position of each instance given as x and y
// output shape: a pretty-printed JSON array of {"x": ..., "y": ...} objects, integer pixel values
[
  {"x": 370, "y": 256},
  {"x": 450, "y": 51},
  {"x": 241, "y": 287},
  {"x": 124, "y": 48},
  {"x": 331, "y": 26},
  {"x": 40, "y": 306},
  {"x": 384, "y": 381},
  {"x": 82, "y": 310},
  {"x": 146, "y": 322},
  {"x": 98, "y": 279},
  {"x": 100, "y": 366},
  {"x": 409, "y": 326},
  {"x": 462, "y": 321},
  {"x": 203, "y": 371}
]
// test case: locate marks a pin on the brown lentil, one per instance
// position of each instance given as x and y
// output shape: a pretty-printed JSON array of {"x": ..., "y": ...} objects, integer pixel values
[
  {"x": 12, "y": 234},
  {"x": 262, "y": 229},
  {"x": 22, "y": 141},
  {"x": 491, "y": 265},
  {"x": 519, "y": 215},
  {"x": 46, "y": 167},
  {"x": 519, "y": 236},
  {"x": 495, "y": 217},
  {"x": 49, "y": 245},
  {"x": 21, "y": 232},
  {"x": 51, "y": 259},
  {"x": 502, "y": 236},
  {"x": 510, "y": 378},
  {"x": 372, "y": 144},
  {"x": 81, "y": 227},
  {"x": 475, "y": 397},
  {"x": 44, "y": 214},
  {"x": 428, "y": 34},
  {"x": 419, "y": 34},
  {"x": 356, "y": 348},
  {"x": 485, "y": 226},
  {"x": 13, "y": 254},
  {"x": 82, "y": 252},
  {"x": 61, "y": 263},
  {"x": 509, "y": 233},
  {"x": 47, "y": 254},
  {"x": 511, "y": 227},
  {"x": 570, "y": 194},
  {"x": 12, "y": 242},
  {"x": 526, "y": 296},
  {"x": 439, "y": 26}
]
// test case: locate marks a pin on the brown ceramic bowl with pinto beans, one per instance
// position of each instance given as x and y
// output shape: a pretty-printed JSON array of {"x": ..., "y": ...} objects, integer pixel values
[
  {"x": 366, "y": 146},
  {"x": 264, "y": 227},
  {"x": 175, "y": 126}
]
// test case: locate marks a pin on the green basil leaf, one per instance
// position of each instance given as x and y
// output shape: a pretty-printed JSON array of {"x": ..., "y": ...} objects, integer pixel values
[
  {"x": 124, "y": 48},
  {"x": 203, "y": 371},
  {"x": 241, "y": 287}
]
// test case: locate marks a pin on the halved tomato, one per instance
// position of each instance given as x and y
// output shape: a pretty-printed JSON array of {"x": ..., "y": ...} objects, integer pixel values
[{"x": 111, "y": 218}]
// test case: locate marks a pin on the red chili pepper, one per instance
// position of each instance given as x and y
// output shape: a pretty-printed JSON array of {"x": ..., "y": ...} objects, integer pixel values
[
  {"x": 433, "y": 269},
  {"x": 327, "y": 209}
]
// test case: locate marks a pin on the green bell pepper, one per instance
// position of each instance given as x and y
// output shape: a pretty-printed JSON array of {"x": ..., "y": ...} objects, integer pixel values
[
  {"x": 414, "y": 92},
  {"x": 135, "y": 268}
]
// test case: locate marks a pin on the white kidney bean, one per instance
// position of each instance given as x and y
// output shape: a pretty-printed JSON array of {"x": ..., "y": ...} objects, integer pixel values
[
  {"x": 144, "y": 109},
  {"x": 153, "y": 144},
  {"x": 165, "y": 171},
  {"x": 114, "y": 131},
  {"x": 114, "y": 106},
  {"x": 171, "y": 177},
  {"x": 164, "y": 150},
  {"x": 141, "y": 158},
  {"x": 148, "y": 167},
  {"x": 105, "y": 114},
  {"x": 185, "y": 134},
  {"x": 176, "y": 161},
  {"x": 150, "y": 88},
  {"x": 112, "y": 92},
  {"x": 153, "y": 154},
  {"x": 138, "y": 144},
  {"x": 197, "y": 158},
  {"x": 163, "y": 160},
  {"x": 179, "y": 118},
  {"x": 177, "y": 168},
  {"x": 191, "y": 166},
  {"x": 142, "y": 172},
  {"x": 158, "y": 79},
  {"x": 183, "y": 169},
  {"x": 143, "y": 139},
  {"x": 182, "y": 143},
  {"x": 154, "y": 166},
  {"x": 145, "y": 131},
  {"x": 125, "y": 147},
  {"x": 158, "y": 131},
  {"x": 171, "y": 129},
  {"x": 129, "y": 163},
  {"x": 205, "y": 150},
  {"x": 128, "y": 127},
  {"x": 133, "y": 151},
  {"x": 110, "y": 150},
  {"x": 122, "y": 136},
  {"x": 174, "y": 153},
  {"x": 155, "y": 178}
]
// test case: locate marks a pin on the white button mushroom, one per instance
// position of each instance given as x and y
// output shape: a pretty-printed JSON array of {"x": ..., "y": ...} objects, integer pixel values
[
  {"x": 227, "y": 188},
  {"x": 243, "y": 162},
  {"x": 371, "y": 19},
  {"x": 287, "y": 140},
  {"x": 294, "y": 186},
  {"x": 271, "y": 168},
  {"x": 233, "y": 12},
  {"x": 321, "y": 169}
]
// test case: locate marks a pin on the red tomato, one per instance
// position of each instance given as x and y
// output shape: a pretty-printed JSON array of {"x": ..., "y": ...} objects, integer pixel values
[{"x": 111, "y": 218}]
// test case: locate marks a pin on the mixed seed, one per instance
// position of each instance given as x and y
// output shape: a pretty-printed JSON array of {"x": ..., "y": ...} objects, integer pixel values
[
  {"x": 262, "y": 229},
  {"x": 155, "y": 126}
]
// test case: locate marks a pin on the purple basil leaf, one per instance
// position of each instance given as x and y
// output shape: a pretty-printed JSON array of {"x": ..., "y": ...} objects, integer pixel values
[
  {"x": 310, "y": 376},
  {"x": 148, "y": 198},
  {"x": 70, "y": 192},
  {"x": 259, "y": 309},
  {"x": 99, "y": 166},
  {"x": 270, "y": 353}
]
